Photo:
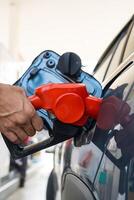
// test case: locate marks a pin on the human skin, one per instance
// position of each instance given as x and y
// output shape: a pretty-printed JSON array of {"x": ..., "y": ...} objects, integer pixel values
[{"x": 18, "y": 118}]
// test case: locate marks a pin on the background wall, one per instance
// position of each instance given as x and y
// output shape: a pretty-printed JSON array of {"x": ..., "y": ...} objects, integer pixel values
[{"x": 83, "y": 26}]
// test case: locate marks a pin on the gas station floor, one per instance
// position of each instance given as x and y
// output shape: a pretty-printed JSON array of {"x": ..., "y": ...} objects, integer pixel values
[{"x": 35, "y": 186}]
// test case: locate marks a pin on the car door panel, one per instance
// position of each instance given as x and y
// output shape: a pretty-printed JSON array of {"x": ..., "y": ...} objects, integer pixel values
[{"x": 98, "y": 162}]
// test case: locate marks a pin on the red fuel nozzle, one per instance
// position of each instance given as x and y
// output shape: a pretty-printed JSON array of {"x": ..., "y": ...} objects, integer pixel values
[{"x": 69, "y": 102}]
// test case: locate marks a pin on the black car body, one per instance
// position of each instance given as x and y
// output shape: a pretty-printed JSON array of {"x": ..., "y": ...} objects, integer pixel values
[{"x": 98, "y": 169}]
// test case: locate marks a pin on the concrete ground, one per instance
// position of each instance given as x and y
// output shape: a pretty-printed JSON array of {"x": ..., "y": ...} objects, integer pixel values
[{"x": 35, "y": 187}]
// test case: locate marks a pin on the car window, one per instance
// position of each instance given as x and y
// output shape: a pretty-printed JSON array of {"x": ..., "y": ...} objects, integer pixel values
[
  {"x": 100, "y": 73},
  {"x": 130, "y": 45},
  {"x": 116, "y": 57},
  {"x": 111, "y": 137},
  {"x": 112, "y": 57}
]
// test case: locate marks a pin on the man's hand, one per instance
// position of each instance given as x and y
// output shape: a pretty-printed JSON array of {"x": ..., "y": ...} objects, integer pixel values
[{"x": 18, "y": 118}]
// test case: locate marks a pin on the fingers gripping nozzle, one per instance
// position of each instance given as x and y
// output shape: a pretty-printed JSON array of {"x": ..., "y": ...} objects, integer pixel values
[{"x": 70, "y": 103}]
